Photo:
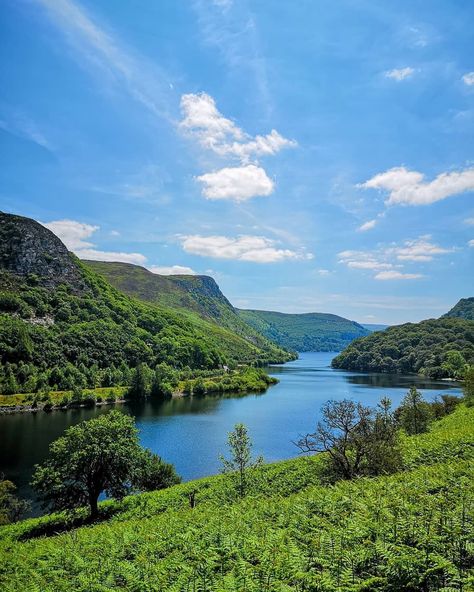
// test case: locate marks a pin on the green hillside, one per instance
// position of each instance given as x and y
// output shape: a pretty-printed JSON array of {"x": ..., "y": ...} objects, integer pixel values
[
  {"x": 193, "y": 293},
  {"x": 408, "y": 532},
  {"x": 304, "y": 332},
  {"x": 62, "y": 325},
  {"x": 438, "y": 348},
  {"x": 464, "y": 309}
]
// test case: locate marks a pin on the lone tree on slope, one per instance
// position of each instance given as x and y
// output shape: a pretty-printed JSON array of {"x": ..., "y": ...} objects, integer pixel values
[{"x": 95, "y": 456}]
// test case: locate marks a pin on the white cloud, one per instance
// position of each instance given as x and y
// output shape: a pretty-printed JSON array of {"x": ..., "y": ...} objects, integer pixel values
[
  {"x": 203, "y": 120},
  {"x": 396, "y": 275},
  {"x": 420, "y": 249},
  {"x": 471, "y": 243},
  {"x": 236, "y": 183},
  {"x": 469, "y": 221},
  {"x": 409, "y": 188},
  {"x": 324, "y": 272},
  {"x": 367, "y": 225},
  {"x": 172, "y": 270},
  {"x": 112, "y": 256},
  {"x": 468, "y": 78},
  {"x": 384, "y": 260},
  {"x": 257, "y": 249},
  {"x": 73, "y": 235},
  {"x": 399, "y": 74}
]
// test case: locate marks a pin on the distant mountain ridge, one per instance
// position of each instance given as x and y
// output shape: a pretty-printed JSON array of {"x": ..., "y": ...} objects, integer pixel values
[{"x": 305, "y": 332}]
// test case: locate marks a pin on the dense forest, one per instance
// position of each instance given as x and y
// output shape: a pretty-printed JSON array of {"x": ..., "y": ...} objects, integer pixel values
[
  {"x": 304, "y": 332},
  {"x": 62, "y": 325},
  {"x": 438, "y": 348}
]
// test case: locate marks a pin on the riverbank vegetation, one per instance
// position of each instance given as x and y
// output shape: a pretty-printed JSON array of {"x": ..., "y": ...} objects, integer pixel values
[
  {"x": 436, "y": 348},
  {"x": 162, "y": 382},
  {"x": 407, "y": 531}
]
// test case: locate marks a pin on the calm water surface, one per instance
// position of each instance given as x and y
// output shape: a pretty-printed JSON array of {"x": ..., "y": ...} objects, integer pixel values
[{"x": 191, "y": 432}]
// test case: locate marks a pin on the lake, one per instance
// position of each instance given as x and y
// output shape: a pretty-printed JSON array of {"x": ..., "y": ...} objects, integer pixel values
[{"x": 191, "y": 431}]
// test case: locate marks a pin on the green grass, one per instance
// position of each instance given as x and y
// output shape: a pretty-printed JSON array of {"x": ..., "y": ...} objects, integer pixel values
[{"x": 408, "y": 532}]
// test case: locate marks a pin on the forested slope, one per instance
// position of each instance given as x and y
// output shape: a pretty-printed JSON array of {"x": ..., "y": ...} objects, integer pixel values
[
  {"x": 464, "y": 309},
  {"x": 199, "y": 294},
  {"x": 63, "y": 325},
  {"x": 439, "y": 348},
  {"x": 304, "y": 332}
]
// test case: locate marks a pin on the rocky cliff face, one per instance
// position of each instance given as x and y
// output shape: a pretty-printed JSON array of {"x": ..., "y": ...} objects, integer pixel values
[{"x": 29, "y": 249}]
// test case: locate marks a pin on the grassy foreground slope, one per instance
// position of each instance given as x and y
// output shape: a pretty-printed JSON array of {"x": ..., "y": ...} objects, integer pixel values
[
  {"x": 313, "y": 331},
  {"x": 408, "y": 532}
]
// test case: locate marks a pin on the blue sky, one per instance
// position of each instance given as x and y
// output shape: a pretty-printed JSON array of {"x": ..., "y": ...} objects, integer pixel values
[{"x": 309, "y": 155}]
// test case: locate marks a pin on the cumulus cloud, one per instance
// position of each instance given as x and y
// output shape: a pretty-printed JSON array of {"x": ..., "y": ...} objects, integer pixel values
[
  {"x": 74, "y": 234},
  {"x": 236, "y": 183},
  {"x": 386, "y": 259},
  {"x": 367, "y": 225},
  {"x": 469, "y": 221},
  {"x": 172, "y": 270},
  {"x": 471, "y": 243},
  {"x": 202, "y": 120},
  {"x": 468, "y": 78},
  {"x": 396, "y": 275},
  {"x": 257, "y": 249},
  {"x": 399, "y": 74},
  {"x": 407, "y": 187}
]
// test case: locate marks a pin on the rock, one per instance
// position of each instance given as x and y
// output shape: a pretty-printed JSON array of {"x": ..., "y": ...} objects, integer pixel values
[{"x": 29, "y": 249}]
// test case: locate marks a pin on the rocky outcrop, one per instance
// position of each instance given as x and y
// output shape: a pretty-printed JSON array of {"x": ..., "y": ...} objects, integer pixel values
[{"x": 28, "y": 249}]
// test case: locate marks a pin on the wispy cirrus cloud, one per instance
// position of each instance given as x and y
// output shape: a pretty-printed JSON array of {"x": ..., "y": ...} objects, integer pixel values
[
  {"x": 400, "y": 74},
  {"x": 232, "y": 31},
  {"x": 255, "y": 249},
  {"x": 103, "y": 53},
  {"x": 367, "y": 225},
  {"x": 19, "y": 124},
  {"x": 405, "y": 187},
  {"x": 396, "y": 275},
  {"x": 468, "y": 79}
]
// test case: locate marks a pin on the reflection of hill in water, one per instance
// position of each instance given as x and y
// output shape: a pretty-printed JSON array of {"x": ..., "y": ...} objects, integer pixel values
[
  {"x": 195, "y": 404},
  {"x": 396, "y": 380}
]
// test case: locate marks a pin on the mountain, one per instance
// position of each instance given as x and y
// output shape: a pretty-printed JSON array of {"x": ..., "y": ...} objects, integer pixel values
[
  {"x": 438, "y": 348},
  {"x": 304, "y": 332},
  {"x": 198, "y": 294},
  {"x": 63, "y": 325},
  {"x": 374, "y": 327},
  {"x": 464, "y": 309}
]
